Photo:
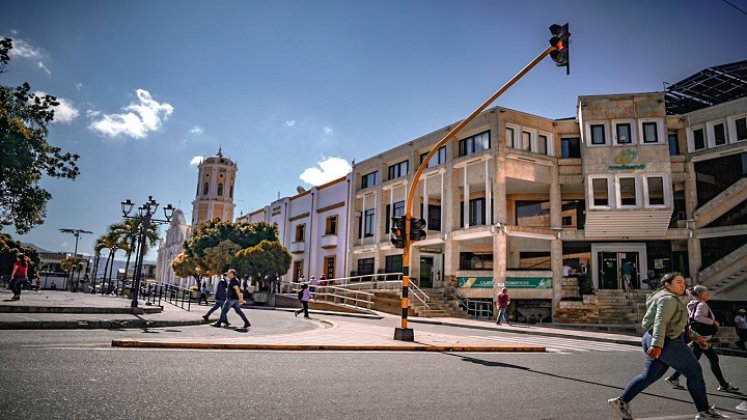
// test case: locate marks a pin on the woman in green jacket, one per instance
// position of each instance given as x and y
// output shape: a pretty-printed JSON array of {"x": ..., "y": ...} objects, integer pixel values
[{"x": 664, "y": 347}]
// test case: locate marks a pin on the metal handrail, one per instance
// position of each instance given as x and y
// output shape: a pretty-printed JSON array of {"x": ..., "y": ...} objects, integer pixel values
[
  {"x": 420, "y": 295},
  {"x": 415, "y": 291},
  {"x": 339, "y": 295},
  {"x": 476, "y": 307}
]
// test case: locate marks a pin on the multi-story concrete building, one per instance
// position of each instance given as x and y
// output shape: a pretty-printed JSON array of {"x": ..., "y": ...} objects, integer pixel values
[
  {"x": 632, "y": 183},
  {"x": 313, "y": 226}
]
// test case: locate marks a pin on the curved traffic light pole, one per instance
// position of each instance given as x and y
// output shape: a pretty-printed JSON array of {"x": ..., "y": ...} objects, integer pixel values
[{"x": 404, "y": 333}]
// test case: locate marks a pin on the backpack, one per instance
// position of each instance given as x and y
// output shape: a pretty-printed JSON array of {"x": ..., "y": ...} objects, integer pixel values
[
  {"x": 701, "y": 329},
  {"x": 300, "y": 294}
]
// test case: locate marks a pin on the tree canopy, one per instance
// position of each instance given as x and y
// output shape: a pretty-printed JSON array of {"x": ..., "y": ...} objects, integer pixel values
[
  {"x": 26, "y": 154},
  {"x": 8, "y": 251},
  {"x": 215, "y": 246}
]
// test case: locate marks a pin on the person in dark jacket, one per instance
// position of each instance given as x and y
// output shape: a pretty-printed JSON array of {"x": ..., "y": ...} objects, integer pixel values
[
  {"x": 220, "y": 298},
  {"x": 234, "y": 299},
  {"x": 304, "y": 295}
]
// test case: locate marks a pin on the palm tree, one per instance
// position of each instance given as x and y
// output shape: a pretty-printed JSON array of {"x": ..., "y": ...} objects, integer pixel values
[
  {"x": 107, "y": 241},
  {"x": 127, "y": 233},
  {"x": 70, "y": 265}
]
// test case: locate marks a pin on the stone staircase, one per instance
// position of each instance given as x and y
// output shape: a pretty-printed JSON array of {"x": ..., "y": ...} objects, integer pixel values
[
  {"x": 620, "y": 307},
  {"x": 726, "y": 273}
]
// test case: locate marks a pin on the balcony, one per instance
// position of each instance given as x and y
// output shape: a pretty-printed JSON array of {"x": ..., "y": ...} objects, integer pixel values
[
  {"x": 328, "y": 241},
  {"x": 297, "y": 248}
]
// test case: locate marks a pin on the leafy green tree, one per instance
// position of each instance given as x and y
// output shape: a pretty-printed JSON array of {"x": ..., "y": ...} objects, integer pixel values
[
  {"x": 26, "y": 154},
  {"x": 266, "y": 258},
  {"x": 127, "y": 232},
  {"x": 186, "y": 267},
  {"x": 212, "y": 232},
  {"x": 9, "y": 249},
  {"x": 220, "y": 258}
]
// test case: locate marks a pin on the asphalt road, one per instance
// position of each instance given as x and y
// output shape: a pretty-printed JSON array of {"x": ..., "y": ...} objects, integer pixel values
[{"x": 77, "y": 375}]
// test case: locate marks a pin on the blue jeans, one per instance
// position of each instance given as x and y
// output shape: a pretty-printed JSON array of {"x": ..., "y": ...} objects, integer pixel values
[
  {"x": 231, "y": 303},
  {"x": 503, "y": 313},
  {"x": 218, "y": 304},
  {"x": 677, "y": 355},
  {"x": 16, "y": 285}
]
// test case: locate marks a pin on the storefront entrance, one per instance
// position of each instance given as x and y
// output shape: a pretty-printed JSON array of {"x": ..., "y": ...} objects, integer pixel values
[
  {"x": 614, "y": 264},
  {"x": 426, "y": 272}
]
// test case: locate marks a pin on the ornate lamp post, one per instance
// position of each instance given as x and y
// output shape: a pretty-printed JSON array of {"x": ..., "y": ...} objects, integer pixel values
[{"x": 145, "y": 215}]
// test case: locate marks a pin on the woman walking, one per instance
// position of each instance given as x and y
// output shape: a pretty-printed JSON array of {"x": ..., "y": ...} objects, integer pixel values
[
  {"x": 706, "y": 325},
  {"x": 304, "y": 295},
  {"x": 18, "y": 276},
  {"x": 664, "y": 347}
]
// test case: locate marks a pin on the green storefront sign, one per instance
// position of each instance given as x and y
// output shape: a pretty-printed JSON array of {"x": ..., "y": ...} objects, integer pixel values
[
  {"x": 475, "y": 282},
  {"x": 528, "y": 283}
]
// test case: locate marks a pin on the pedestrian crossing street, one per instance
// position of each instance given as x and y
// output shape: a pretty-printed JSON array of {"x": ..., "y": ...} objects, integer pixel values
[{"x": 562, "y": 345}]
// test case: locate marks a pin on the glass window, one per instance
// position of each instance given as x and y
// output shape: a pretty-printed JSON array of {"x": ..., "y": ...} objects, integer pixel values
[
  {"x": 526, "y": 140},
  {"x": 600, "y": 191},
  {"x": 475, "y": 261},
  {"x": 570, "y": 147},
  {"x": 300, "y": 231},
  {"x": 369, "y": 180},
  {"x": 230, "y": 193},
  {"x": 719, "y": 134},
  {"x": 399, "y": 211},
  {"x": 368, "y": 223},
  {"x": 365, "y": 266},
  {"x": 542, "y": 144},
  {"x": 650, "y": 134},
  {"x": 597, "y": 134},
  {"x": 674, "y": 144},
  {"x": 297, "y": 270},
  {"x": 533, "y": 213},
  {"x": 623, "y": 133},
  {"x": 437, "y": 159},
  {"x": 393, "y": 263},
  {"x": 698, "y": 139},
  {"x": 434, "y": 217},
  {"x": 220, "y": 189},
  {"x": 399, "y": 169},
  {"x": 510, "y": 137},
  {"x": 205, "y": 188},
  {"x": 474, "y": 144},
  {"x": 627, "y": 192},
  {"x": 655, "y": 191},
  {"x": 741, "y": 124},
  {"x": 476, "y": 212},
  {"x": 331, "y": 226}
]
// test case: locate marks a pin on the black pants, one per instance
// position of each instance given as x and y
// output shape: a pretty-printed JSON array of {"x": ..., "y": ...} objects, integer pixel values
[
  {"x": 713, "y": 361},
  {"x": 742, "y": 337},
  {"x": 305, "y": 309},
  {"x": 203, "y": 298},
  {"x": 16, "y": 285}
]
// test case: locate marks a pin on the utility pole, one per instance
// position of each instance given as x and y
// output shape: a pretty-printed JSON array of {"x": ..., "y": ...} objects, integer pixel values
[{"x": 402, "y": 230}]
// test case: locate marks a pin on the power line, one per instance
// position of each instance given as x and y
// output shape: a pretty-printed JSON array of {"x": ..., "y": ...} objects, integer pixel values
[{"x": 734, "y": 6}]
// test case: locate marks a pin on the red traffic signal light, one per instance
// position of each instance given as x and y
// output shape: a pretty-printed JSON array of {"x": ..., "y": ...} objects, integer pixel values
[
  {"x": 417, "y": 229},
  {"x": 561, "y": 46},
  {"x": 397, "y": 232}
]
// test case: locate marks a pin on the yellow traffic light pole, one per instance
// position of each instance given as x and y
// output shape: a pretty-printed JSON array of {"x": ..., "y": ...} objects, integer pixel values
[{"x": 404, "y": 333}]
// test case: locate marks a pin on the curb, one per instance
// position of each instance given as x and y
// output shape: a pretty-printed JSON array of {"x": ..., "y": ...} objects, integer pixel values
[
  {"x": 10, "y": 309},
  {"x": 106, "y": 324},
  {"x": 528, "y": 332},
  {"x": 328, "y": 347}
]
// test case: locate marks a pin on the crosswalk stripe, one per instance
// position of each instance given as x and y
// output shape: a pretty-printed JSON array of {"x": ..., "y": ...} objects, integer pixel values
[{"x": 565, "y": 343}]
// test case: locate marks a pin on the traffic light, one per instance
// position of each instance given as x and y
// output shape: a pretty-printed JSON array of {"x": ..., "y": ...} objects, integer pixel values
[
  {"x": 561, "y": 44},
  {"x": 417, "y": 229},
  {"x": 397, "y": 232}
]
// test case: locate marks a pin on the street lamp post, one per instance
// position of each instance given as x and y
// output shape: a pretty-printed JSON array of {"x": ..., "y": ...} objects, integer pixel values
[{"x": 145, "y": 215}]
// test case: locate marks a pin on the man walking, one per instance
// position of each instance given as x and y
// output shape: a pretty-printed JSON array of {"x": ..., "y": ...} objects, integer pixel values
[
  {"x": 304, "y": 295},
  {"x": 234, "y": 299},
  {"x": 220, "y": 298},
  {"x": 502, "y": 302}
]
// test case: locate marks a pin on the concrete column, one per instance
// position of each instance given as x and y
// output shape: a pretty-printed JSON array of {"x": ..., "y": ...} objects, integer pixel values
[
  {"x": 451, "y": 259},
  {"x": 500, "y": 239},
  {"x": 556, "y": 246},
  {"x": 465, "y": 197},
  {"x": 694, "y": 254}
]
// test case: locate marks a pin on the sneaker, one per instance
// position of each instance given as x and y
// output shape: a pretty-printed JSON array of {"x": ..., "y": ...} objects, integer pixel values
[
  {"x": 247, "y": 325},
  {"x": 728, "y": 388},
  {"x": 674, "y": 382},
  {"x": 205, "y": 317},
  {"x": 216, "y": 325},
  {"x": 711, "y": 414},
  {"x": 621, "y": 408}
]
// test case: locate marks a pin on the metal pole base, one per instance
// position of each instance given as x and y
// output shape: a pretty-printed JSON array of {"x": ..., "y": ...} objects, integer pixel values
[{"x": 404, "y": 334}]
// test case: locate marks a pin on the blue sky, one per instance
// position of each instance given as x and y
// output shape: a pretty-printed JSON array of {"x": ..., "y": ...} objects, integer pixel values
[{"x": 282, "y": 86}]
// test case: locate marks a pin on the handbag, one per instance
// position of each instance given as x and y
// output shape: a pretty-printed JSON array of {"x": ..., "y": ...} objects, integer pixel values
[{"x": 699, "y": 327}]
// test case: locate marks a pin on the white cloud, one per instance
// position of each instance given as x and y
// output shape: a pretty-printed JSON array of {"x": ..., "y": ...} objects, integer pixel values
[
  {"x": 23, "y": 49},
  {"x": 92, "y": 114},
  {"x": 64, "y": 112},
  {"x": 43, "y": 67},
  {"x": 289, "y": 123},
  {"x": 196, "y": 160},
  {"x": 138, "y": 120},
  {"x": 328, "y": 131},
  {"x": 79, "y": 86},
  {"x": 13, "y": 32},
  {"x": 196, "y": 130},
  {"x": 328, "y": 169}
]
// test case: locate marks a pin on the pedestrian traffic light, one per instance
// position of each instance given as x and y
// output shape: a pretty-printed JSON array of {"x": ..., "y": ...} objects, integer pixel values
[
  {"x": 561, "y": 46},
  {"x": 417, "y": 229},
  {"x": 397, "y": 232}
]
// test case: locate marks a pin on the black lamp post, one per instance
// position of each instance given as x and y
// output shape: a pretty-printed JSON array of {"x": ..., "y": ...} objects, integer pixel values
[{"x": 145, "y": 216}]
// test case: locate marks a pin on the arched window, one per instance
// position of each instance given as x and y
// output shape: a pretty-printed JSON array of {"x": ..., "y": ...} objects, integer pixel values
[
  {"x": 205, "y": 188},
  {"x": 230, "y": 192},
  {"x": 220, "y": 189}
]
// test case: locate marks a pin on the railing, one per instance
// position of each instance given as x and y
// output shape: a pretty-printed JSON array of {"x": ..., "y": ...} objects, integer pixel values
[
  {"x": 338, "y": 295},
  {"x": 477, "y": 308},
  {"x": 156, "y": 294}
]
